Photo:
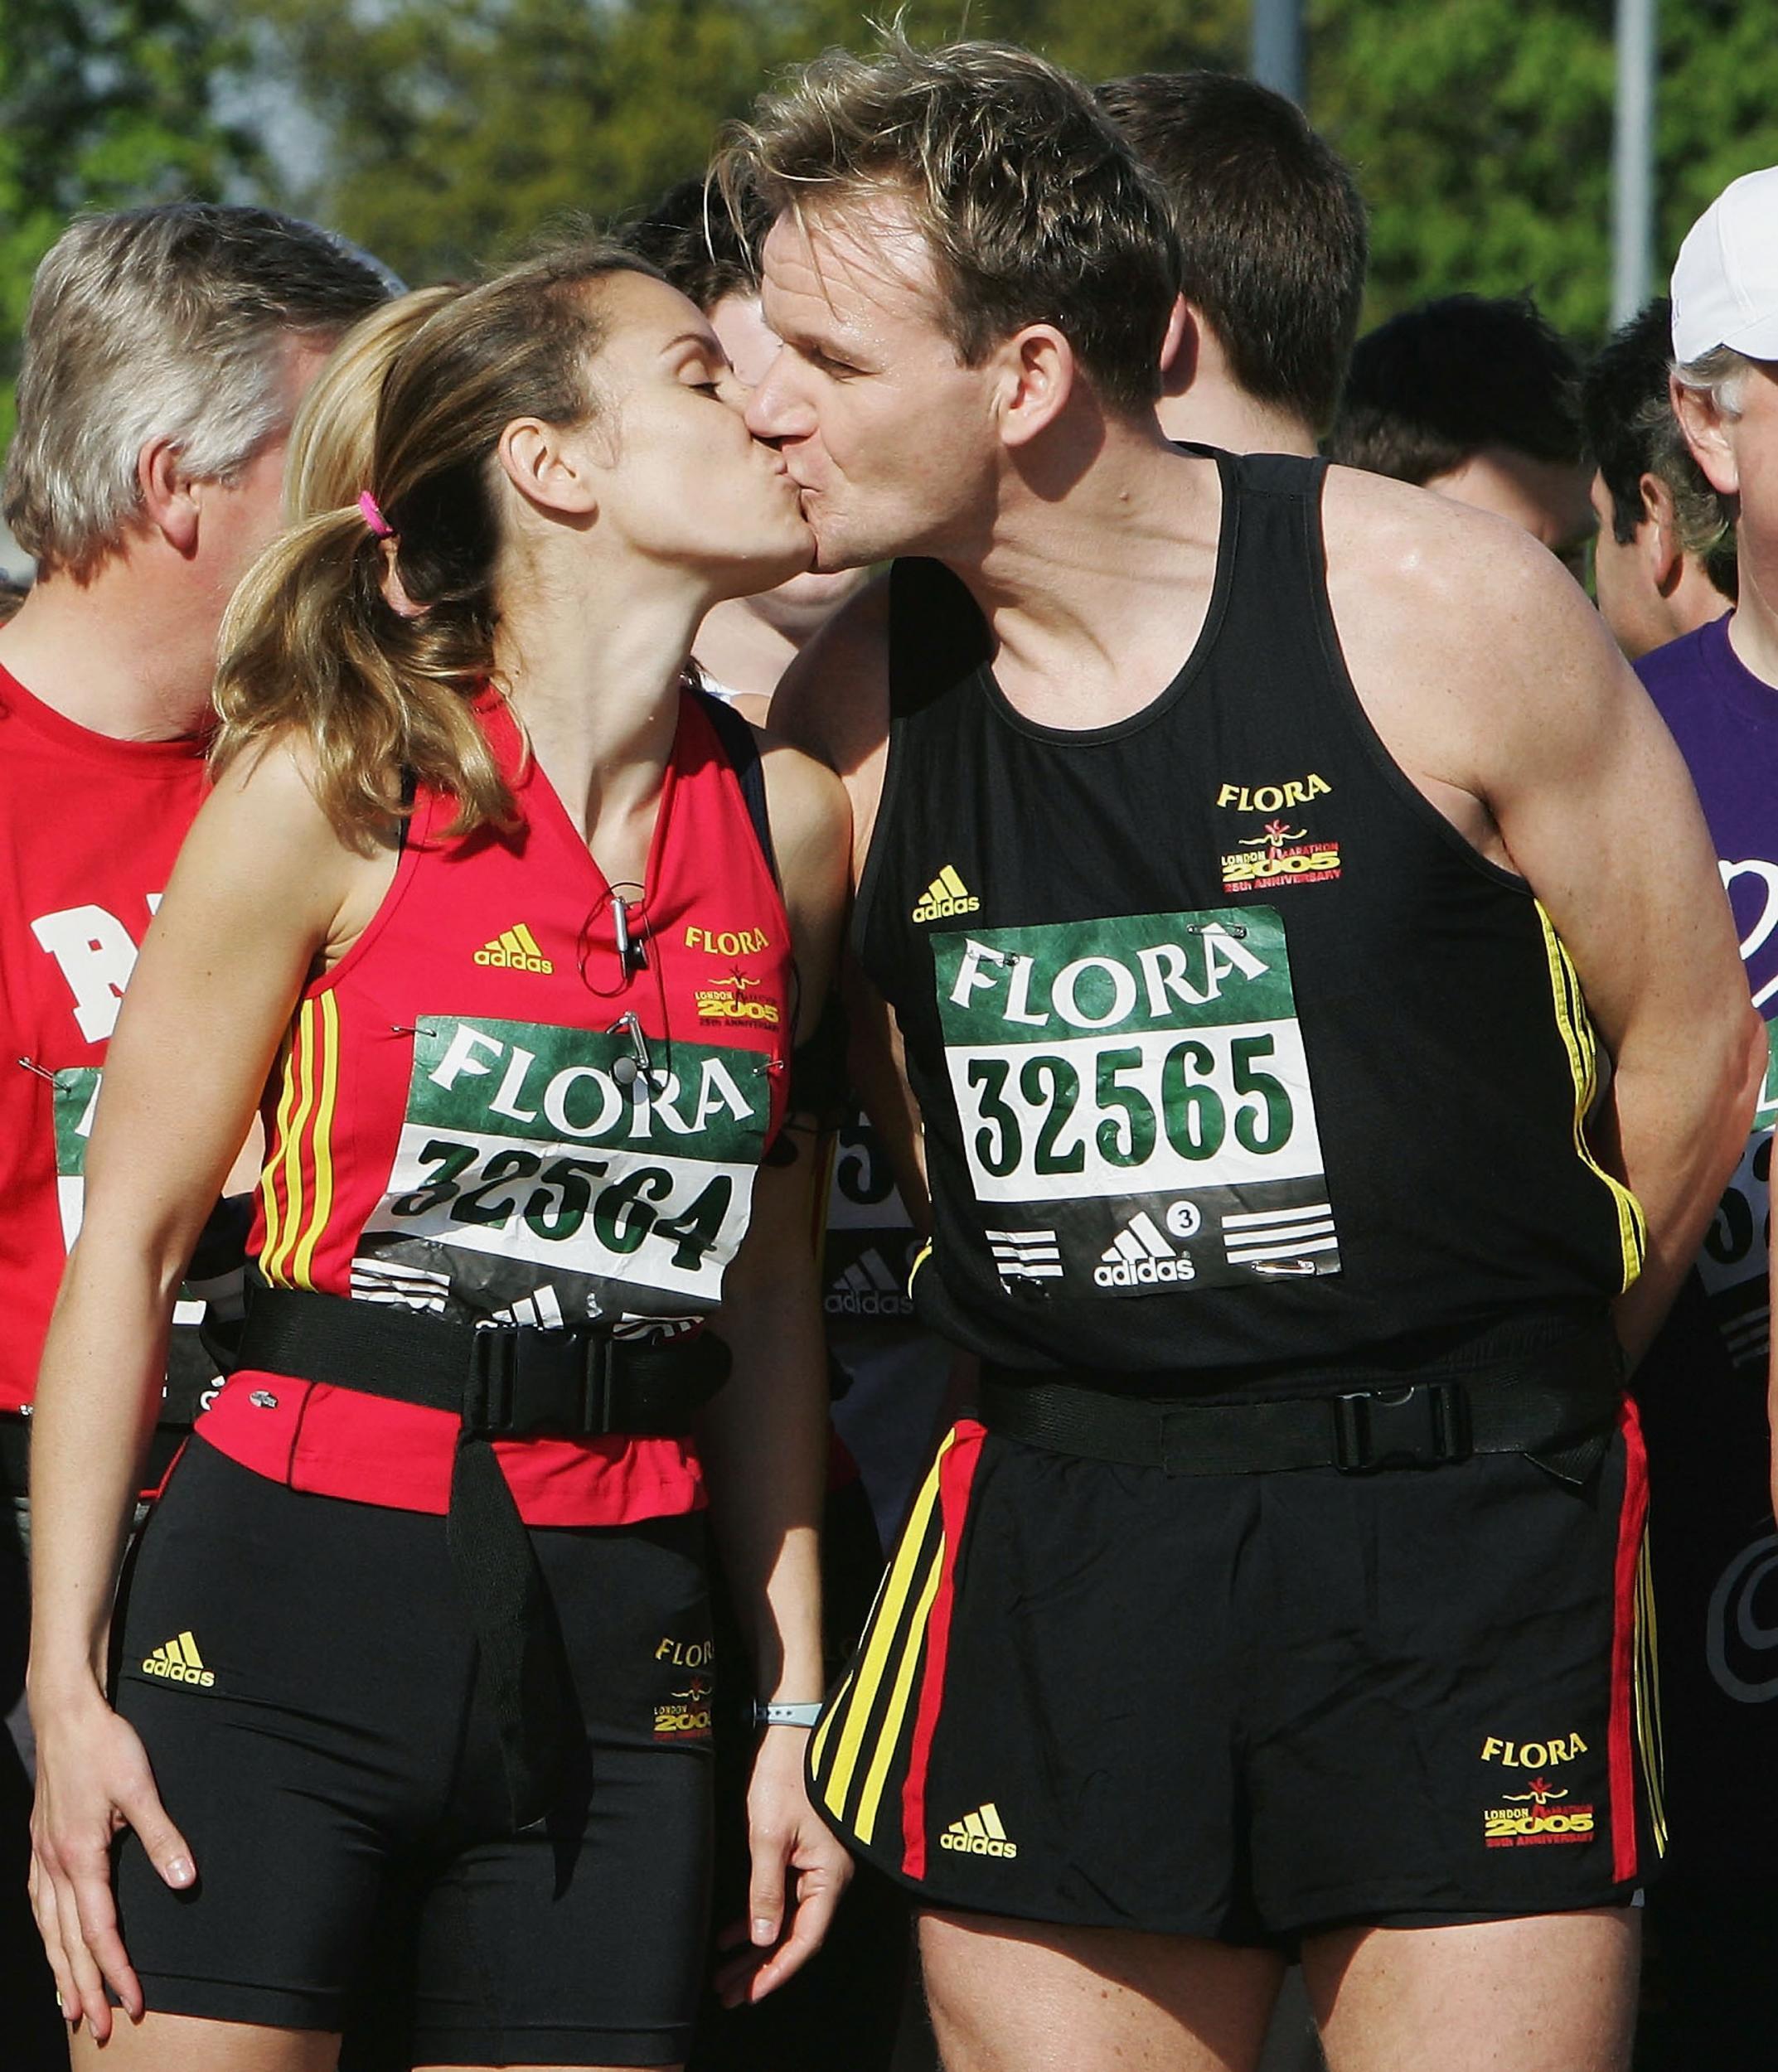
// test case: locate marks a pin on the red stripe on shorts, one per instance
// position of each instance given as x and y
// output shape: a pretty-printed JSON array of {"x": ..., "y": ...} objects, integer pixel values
[
  {"x": 1631, "y": 1515},
  {"x": 955, "y": 1479}
]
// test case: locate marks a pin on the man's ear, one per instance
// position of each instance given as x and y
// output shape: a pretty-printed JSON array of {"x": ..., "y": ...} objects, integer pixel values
[
  {"x": 169, "y": 501},
  {"x": 1709, "y": 435},
  {"x": 1658, "y": 536},
  {"x": 1180, "y": 348},
  {"x": 545, "y": 471},
  {"x": 1037, "y": 371}
]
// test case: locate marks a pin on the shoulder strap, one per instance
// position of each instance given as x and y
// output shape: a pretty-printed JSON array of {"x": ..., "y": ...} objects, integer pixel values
[
  {"x": 742, "y": 749},
  {"x": 938, "y": 635}
]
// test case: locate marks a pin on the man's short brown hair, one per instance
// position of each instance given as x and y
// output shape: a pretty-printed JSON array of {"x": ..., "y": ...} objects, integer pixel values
[
  {"x": 1273, "y": 241},
  {"x": 1031, "y": 203}
]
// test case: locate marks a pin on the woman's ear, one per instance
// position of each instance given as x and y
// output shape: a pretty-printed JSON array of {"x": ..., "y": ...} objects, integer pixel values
[{"x": 542, "y": 464}]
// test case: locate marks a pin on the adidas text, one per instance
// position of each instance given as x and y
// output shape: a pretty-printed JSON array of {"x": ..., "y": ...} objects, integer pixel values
[
  {"x": 979, "y": 1834},
  {"x": 946, "y": 895},
  {"x": 1142, "y": 1273},
  {"x": 847, "y": 1302},
  {"x": 514, "y": 949},
  {"x": 178, "y": 1661}
]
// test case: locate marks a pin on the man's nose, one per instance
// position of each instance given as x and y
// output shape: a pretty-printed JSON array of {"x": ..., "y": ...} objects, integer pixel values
[{"x": 774, "y": 413}]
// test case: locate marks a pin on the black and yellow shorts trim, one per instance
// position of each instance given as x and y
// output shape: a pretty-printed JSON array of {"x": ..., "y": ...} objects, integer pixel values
[{"x": 1246, "y": 1706}]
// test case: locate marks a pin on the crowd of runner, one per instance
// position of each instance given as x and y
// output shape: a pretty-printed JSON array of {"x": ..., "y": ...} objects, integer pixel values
[{"x": 940, "y": 1160}]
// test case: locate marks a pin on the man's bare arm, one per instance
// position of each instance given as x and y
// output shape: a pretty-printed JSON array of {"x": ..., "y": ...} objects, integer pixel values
[{"x": 1496, "y": 687}]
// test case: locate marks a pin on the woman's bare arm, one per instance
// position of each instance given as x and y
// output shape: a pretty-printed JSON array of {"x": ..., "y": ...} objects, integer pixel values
[{"x": 258, "y": 889}]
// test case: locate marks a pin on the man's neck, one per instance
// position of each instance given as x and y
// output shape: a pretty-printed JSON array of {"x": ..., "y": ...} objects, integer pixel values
[
  {"x": 1753, "y": 631},
  {"x": 741, "y": 650},
  {"x": 118, "y": 654},
  {"x": 1096, "y": 574},
  {"x": 1213, "y": 413}
]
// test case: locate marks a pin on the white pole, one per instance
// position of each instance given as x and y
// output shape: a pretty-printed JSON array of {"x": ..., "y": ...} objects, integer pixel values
[
  {"x": 1633, "y": 158},
  {"x": 1278, "y": 48}
]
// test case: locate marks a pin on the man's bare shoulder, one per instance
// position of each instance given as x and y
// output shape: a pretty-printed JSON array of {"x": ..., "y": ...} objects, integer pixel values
[
  {"x": 1459, "y": 629},
  {"x": 1442, "y": 563},
  {"x": 833, "y": 700}
]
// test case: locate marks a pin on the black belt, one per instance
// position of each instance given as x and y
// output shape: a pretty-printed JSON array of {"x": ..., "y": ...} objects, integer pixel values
[
  {"x": 505, "y": 1381},
  {"x": 1556, "y": 1405}
]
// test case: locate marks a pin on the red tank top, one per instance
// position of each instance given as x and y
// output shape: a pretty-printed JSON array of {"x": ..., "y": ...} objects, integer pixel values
[
  {"x": 88, "y": 829},
  {"x": 446, "y": 1131}
]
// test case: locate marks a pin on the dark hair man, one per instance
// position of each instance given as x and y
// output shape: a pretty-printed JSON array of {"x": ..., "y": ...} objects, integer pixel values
[
  {"x": 165, "y": 351},
  {"x": 1703, "y": 1387},
  {"x": 1273, "y": 245},
  {"x": 1473, "y": 397},
  {"x": 1195, "y": 814},
  {"x": 1651, "y": 577}
]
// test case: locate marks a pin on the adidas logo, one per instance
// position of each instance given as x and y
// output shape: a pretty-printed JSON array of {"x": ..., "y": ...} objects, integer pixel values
[
  {"x": 1139, "y": 1257},
  {"x": 978, "y": 1834},
  {"x": 946, "y": 895},
  {"x": 179, "y": 1662},
  {"x": 867, "y": 1289},
  {"x": 514, "y": 949},
  {"x": 543, "y": 1307}
]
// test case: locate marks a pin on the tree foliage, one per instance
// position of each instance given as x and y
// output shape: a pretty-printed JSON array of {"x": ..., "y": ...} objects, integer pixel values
[
  {"x": 103, "y": 103},
  {"x": 449, "y": 132}
]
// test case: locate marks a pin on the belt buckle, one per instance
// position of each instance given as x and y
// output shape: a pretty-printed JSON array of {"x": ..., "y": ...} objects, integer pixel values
[
  {"x": 1425, "y": 1425},
  {"x": 488, "y": 1390},
  {"x": 526, "y": 1383}
]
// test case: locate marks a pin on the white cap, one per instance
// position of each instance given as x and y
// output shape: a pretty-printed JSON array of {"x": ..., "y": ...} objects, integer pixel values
[{"x": 1725, "y": 280}]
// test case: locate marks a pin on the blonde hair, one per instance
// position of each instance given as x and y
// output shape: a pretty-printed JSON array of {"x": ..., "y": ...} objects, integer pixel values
[
  {"x": 311, "y": 643},
  {"x": 1031, "y": 203},
  {"x": 162, "y": 323},
  {"x": 334, "y": 431}
]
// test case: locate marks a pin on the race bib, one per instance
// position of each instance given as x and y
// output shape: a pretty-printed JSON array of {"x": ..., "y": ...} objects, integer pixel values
[
  {"x": 537, "y": 1182},
  {"x": 870, "y": 1245},
  {"x": 1135, "y": 1102},
  {"x": 1732, "y": 1263}
]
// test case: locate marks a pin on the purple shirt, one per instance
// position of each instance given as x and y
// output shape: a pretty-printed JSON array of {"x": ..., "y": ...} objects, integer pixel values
[
  {"x": 1725, "y": 720},
  {"x": 1703, "y": 1386}
]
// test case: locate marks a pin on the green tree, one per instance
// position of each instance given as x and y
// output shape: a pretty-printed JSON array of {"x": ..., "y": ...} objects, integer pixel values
[
  {"x": 1481, "y": 134},
  {"x": 103, "y": 103},
  {"x": 454, "y": 128}
]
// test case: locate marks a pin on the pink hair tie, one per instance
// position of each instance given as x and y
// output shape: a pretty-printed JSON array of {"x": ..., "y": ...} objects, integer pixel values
[{"x": 373, "y": 517}]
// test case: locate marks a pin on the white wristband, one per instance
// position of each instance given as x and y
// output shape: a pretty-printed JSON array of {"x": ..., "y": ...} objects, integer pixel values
[{"x": 787, "y": 1715}]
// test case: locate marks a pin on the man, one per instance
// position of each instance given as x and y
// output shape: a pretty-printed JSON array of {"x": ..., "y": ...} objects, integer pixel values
[
  {"x": 1703, "y": 1388},
  {"x": 1273, "y": 246},
  {"x": 1252, "y": 1084},
  {"x": 1473, "y": 397},
  {"x": 1664, "y": 556},
  {"x": 165, "y": 351}
]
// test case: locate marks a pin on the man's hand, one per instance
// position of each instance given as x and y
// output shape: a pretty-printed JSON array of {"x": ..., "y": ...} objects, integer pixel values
[{"x": 788, "y": 1841}]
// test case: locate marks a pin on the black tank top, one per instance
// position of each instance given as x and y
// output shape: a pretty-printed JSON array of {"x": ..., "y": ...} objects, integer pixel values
[{"x": 1236, "y": 1060}]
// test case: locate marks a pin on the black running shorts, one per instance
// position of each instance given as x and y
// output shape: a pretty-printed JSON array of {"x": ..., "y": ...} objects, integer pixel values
[
  {"x": 304, "y": 1678},
  {"x": 1249, "y": 1706}
]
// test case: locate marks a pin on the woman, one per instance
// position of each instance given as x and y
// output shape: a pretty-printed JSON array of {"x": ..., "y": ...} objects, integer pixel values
[{"x": 483, "y": 901}]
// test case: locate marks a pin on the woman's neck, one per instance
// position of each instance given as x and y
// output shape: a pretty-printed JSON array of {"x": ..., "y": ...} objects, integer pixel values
[{"x": 594, "y": 679}]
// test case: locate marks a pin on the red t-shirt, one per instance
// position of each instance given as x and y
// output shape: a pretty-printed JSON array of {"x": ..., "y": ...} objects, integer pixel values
[
  {"x": 88, "y": 829},
  {"x": 446, "y": 1132}
]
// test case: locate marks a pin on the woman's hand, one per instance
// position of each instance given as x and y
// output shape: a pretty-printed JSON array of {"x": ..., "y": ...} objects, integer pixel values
[
  {"x": 93, "y": 1780},
  {"x": 787, "y": 1839}
]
